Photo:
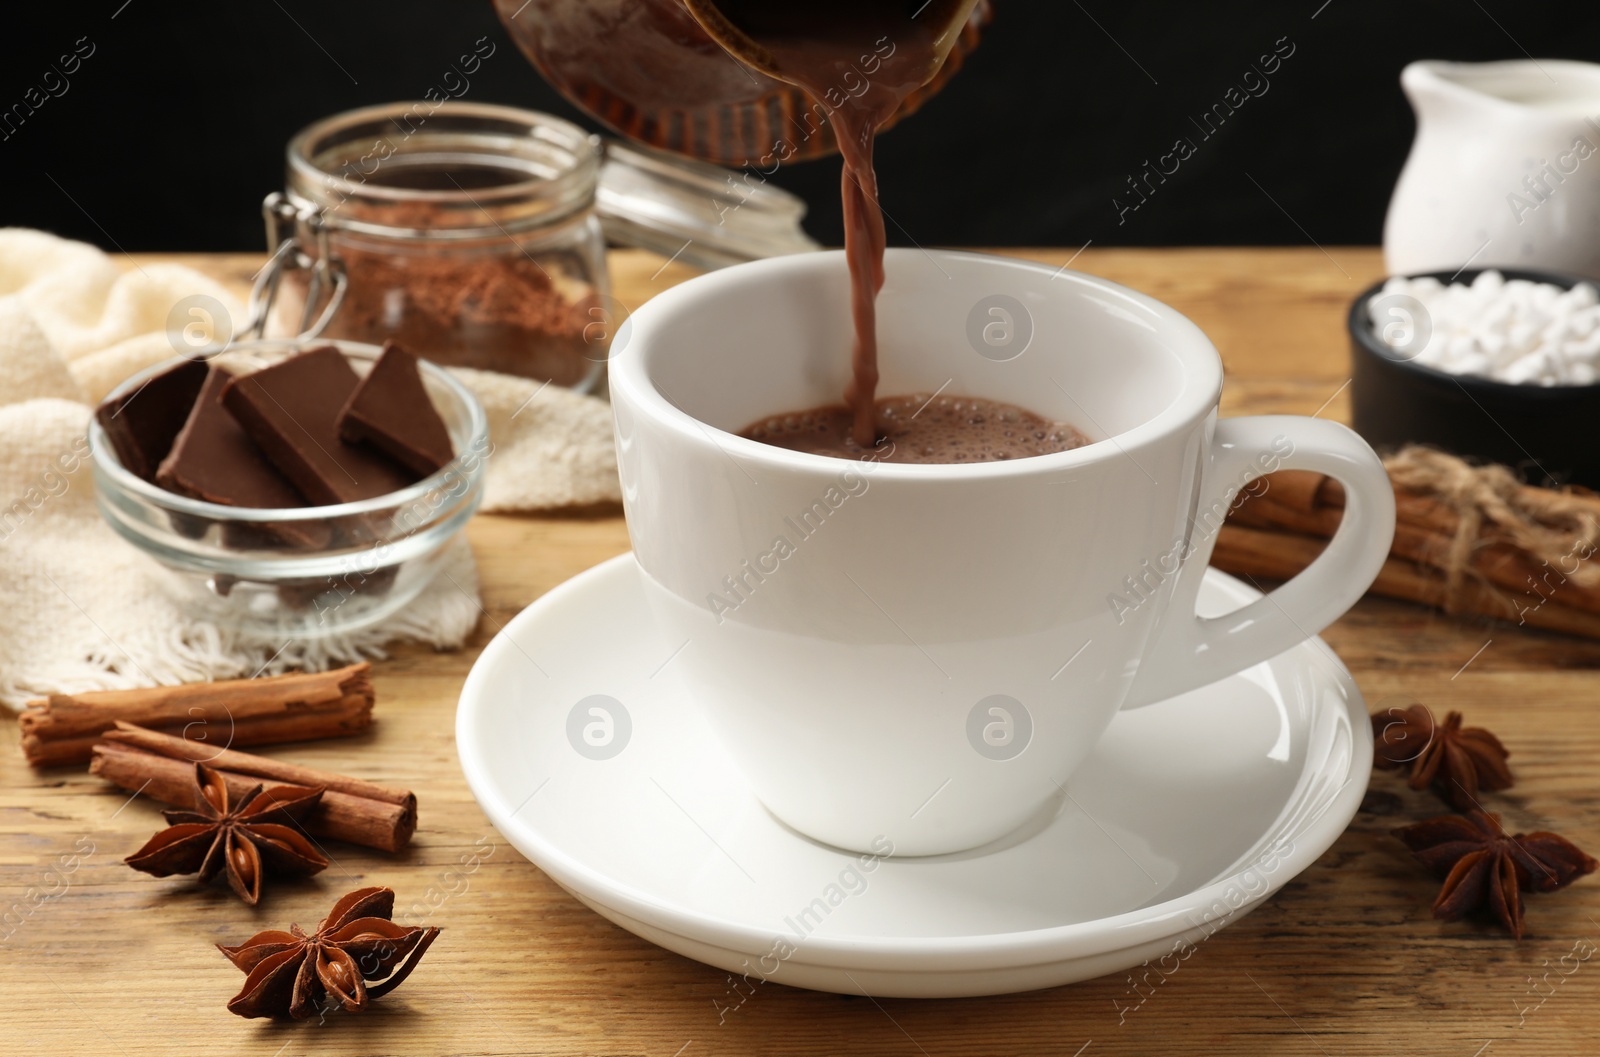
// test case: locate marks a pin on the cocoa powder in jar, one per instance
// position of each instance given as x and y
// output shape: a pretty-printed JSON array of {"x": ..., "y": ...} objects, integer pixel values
[
  {"x": 488, "y": 305},
  {"x": 467, "y": 233}
]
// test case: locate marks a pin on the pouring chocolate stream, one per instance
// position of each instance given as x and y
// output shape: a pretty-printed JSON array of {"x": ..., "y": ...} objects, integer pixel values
[{"x": 859, "y": 59}]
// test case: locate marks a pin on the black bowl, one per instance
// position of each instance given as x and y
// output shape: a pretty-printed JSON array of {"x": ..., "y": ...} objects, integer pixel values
[{"x": 1542, "y": 432}]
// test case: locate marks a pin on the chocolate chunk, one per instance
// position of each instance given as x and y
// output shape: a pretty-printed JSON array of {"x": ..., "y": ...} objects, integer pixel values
[
  {"x": 142, "y": 424},
  {"x": 212, "y": 459},
  {"x": 391, "y": 410},
  {"x": 291, "y": 410}
]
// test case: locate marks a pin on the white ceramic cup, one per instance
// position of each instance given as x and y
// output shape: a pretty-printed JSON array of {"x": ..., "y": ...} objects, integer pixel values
[{"x": 924, "y": 653}]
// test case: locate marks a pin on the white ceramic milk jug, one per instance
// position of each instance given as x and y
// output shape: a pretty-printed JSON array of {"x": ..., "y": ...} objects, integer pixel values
[{"x": 1505, "y": 169}]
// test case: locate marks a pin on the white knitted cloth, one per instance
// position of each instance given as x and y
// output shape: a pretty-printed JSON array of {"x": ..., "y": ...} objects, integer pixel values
[{"x": 78, "y": 608}]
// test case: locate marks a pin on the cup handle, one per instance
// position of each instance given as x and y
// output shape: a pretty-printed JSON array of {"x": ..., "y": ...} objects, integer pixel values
[{"x": 1186, "y": 650}]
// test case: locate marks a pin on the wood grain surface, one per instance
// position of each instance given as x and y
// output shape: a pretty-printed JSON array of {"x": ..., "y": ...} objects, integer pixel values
[{"x": 98, "y": 959}]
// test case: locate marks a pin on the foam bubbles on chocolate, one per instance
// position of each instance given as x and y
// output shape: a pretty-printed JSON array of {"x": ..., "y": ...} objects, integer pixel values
[{"x": 923, "y": 428}]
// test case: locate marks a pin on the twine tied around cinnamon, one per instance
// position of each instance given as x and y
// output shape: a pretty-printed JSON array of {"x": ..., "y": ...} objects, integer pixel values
[{"x": 1493, "y": 506}]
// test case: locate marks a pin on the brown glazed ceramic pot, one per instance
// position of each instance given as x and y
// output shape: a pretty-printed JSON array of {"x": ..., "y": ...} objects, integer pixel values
[{"x": 649, "y": 70}]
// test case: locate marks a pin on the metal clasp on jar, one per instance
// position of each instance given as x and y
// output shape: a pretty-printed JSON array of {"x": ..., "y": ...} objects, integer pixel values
[{"x": 288, "y": 228}]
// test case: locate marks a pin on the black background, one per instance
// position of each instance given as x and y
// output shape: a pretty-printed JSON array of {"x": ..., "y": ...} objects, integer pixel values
[{"x": 174, "y": 128}]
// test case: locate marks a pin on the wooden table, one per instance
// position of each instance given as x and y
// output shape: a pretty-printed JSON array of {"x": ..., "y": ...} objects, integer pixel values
[{"x": 1345, "y": 960}]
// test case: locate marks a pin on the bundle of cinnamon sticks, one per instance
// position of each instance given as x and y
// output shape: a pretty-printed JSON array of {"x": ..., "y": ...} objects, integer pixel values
[
  {"x": 148, "y": 742},
  {"x": 1469, "y": 540}
]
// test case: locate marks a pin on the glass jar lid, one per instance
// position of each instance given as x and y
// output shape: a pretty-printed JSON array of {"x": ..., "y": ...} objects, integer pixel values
[
  {"x": 456, "y": 170},
  {"x": 696, "y": 212}
]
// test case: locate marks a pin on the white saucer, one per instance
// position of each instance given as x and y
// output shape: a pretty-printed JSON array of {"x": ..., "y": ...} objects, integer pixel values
[{"x": 1189, "y": 813}]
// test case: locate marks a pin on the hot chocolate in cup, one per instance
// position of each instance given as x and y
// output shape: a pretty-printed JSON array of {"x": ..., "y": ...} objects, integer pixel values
[{"x": 924, "y": 653}]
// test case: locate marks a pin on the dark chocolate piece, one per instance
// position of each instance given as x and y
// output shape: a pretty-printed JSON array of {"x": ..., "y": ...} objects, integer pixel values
[
  {"x": 213, "y": 460},
  {"x": 291, "y": 410},
  {"x": 391, "y": 410},
  {"x": 142, "y": 424}
]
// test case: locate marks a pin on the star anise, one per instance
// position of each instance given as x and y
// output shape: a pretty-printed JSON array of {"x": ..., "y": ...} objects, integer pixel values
[
  {"x": 1457, "y": 761},
  {"x": 243, "y": 839},
  {"x": 1484, "y": 868},
  {"x": 293, "y": 974}
]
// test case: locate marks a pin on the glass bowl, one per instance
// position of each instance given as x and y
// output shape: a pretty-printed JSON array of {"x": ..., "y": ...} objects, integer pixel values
[{"x": 307, "y": 572}]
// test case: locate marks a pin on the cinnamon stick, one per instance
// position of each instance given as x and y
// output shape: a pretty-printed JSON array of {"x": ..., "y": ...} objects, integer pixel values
[
  {"x": 1283, "y": 505},
  {"x": 1501, "y": 565},
  {"x": 162, "y": 766},
  {"x": 1272, "y": 555},
  {"x": 1424, "y": 528},
  {"x": 303, "y": 706}
]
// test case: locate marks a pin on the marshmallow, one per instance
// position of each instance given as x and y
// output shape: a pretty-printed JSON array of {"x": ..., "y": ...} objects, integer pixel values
[{"x": 1513, "y": 330}]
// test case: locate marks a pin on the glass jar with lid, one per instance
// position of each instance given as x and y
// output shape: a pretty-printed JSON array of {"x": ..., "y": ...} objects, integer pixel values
[
  {"x": 465, "y": 232},
  {"x": 474, "y": 235}
]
